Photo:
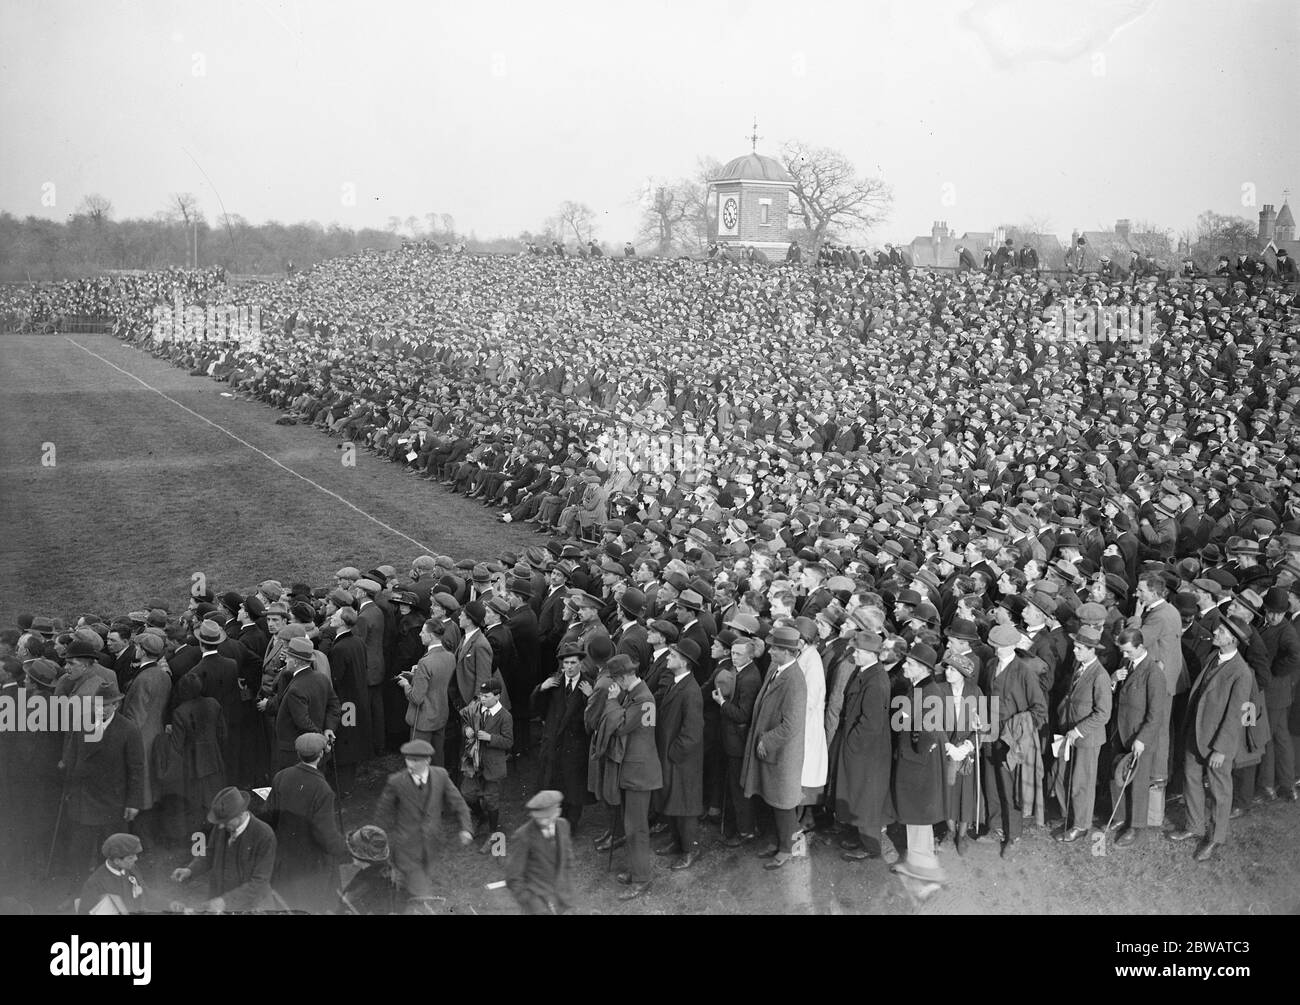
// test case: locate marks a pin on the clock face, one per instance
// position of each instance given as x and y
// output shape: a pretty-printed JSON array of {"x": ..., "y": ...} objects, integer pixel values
[{"x": 730, "y": 212}]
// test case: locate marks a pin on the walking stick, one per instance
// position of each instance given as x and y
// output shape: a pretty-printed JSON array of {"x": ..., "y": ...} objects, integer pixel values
[
  {"x": 979, "y": 789},
  {"x": 338, "y": 802},
  {"x": 1119, "y": 797},
  {"x": 54, "y": 840}
]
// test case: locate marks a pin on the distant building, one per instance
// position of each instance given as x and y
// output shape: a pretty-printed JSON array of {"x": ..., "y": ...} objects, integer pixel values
[
  {"x": 1277, "y": 230},
  {"x": 1118, "y": 243},
  {"x": 940, "y": 247},
  {"x": 749, "y": 205}
]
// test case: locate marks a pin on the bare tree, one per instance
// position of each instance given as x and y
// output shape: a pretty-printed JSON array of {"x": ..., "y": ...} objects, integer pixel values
[
  {"x": 97, "y": 207},
  {"x": 448, "y": 223},
  {"x": 663, "y": 211},
  {"x": 1217, "y": 234},
  {"x": 185, "y": 208},
  {"x": 830, "y": 194},
  {"x": 693, "y": 193},
  {"x": 1151, "y": 240},
  {"x": 578, "y": 218},
  {"x": 394, "y": 224}
]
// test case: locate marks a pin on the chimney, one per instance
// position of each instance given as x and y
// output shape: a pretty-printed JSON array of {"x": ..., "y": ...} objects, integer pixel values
[
  {"x": 1122, "y": 228},
  {"x": 1267, "y": 222}
]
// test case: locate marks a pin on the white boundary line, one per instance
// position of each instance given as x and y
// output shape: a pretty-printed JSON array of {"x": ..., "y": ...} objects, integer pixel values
[{"x": 333, "y": 495}]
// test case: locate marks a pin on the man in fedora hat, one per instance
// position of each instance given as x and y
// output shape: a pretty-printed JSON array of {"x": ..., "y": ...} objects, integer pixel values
[
  {"x": 773, "y": 762},
  {"x": 561, "y": 699},
  {"x": 1213, "y": 732},
  {"x": 305, "y": 704},
  {"x": 238, "y": 858},
  {"x": 689, "y": 605},
  {"x": 629, "y": 636},
  {"x": 1139, "y": 700},
  {"x": 85, "y": 674},
  {"x": 308, "y": 842},
  {"x": 679, "y": 739},
  {"x": 410, "y": 810},
  {"x": 219, "y": 677},
  {"x": 103, "y": 780},
  {"x": 628, "y": 721},
  {"x": 1082, "y": 715},
  {"x": 539, "y": 861}
]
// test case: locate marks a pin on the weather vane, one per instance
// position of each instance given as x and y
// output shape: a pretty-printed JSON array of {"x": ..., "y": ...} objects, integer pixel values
[{"x": 755, "y": 137}]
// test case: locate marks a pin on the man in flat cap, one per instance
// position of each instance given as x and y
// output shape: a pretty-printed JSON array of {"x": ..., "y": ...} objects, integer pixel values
[
  {"x": 1014, "y": 680},
  {"x": 773, "y": 765},
  {"x": 308, "y": 842},
  {"x": 539, "y": 860},
  {"x": 116, "y": 879},
  {"x": 238, "y": 858},
  {"x": 410, "y": 810}
]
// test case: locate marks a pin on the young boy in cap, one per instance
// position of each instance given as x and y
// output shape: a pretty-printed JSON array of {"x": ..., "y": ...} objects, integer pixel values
[
  {"x": 410, "y": 811},
  {"x": 309, "y": 845},
  {"x": 488, "y": 737},
  {"x": 540, "y": 858},
  {"x": 115, "y": 878}
]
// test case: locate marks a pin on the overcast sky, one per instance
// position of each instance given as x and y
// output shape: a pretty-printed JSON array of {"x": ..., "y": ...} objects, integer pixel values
[{"x": 978, "y": 113}]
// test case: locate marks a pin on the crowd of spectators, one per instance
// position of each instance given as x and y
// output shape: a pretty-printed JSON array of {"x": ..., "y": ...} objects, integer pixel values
[{"x": 877, "y": 480}]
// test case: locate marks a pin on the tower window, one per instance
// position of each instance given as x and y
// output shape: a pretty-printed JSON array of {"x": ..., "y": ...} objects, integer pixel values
[{"x": 764, "y": 212}]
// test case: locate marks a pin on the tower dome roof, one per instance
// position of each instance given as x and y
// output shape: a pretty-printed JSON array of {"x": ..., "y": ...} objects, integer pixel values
[
  {"x": 754, "y": 167},
  {"x": 1284, "y": 217}
]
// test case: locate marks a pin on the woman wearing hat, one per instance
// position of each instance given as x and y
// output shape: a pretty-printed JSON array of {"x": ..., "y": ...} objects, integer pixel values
[
  {"x": 962, "y": 719},
  {"x": 192, "y": 771}
]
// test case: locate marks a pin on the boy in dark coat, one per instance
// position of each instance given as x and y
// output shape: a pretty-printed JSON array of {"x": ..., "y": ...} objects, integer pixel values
[
  {"x": 309, "y": 844},
  {"x": 540, "y": 859}
]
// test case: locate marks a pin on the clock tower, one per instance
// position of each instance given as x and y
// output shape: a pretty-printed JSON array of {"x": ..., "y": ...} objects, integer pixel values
[{"x": 749, "y": 204}]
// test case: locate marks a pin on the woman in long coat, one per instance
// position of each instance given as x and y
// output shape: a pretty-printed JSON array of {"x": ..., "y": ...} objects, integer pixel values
[
  {"x": 197, "y": 770},
  {"x": 960, "y": 708},
  {"x": 919, "y": 781}
]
